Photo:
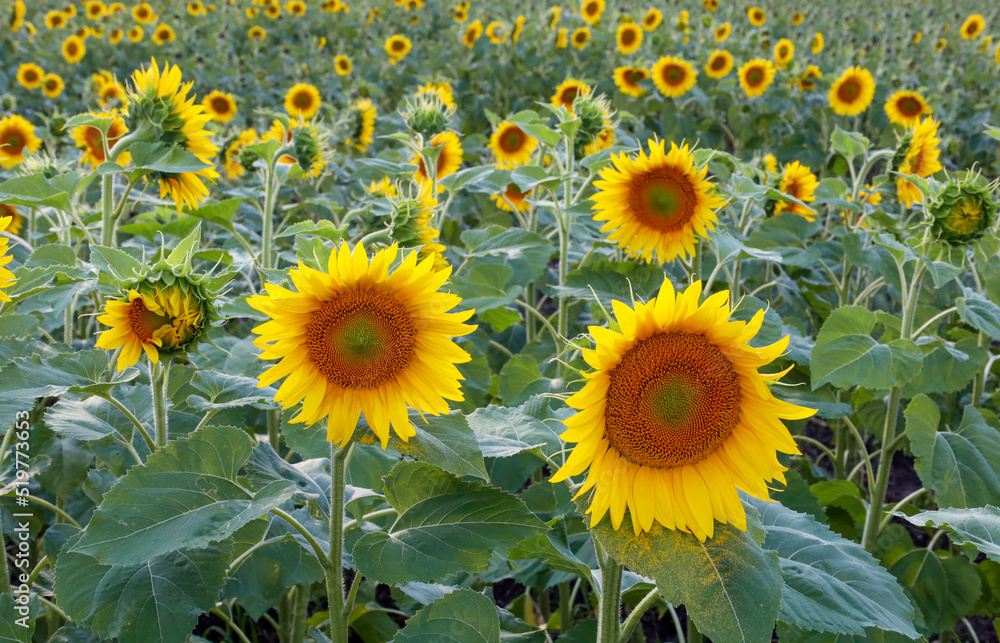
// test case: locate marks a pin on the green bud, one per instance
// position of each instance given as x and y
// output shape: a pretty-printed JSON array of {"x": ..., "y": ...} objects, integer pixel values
[
  {"x": 427, "y": 115},
  {"x": 964, "y": 211}
]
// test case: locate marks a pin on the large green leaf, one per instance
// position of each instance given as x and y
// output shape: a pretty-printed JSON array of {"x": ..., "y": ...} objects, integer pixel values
[
  {"x": 269, "y": 572},
  {"x": 94, "y": 418},
  {"x": 265, "y": 466},
  {"x": 463, "y": 616},
  {"x": 184, "y": 497},
  {"x": 610, "y": 280},
  {"x": 18, "y": 622},
  {"x": 168, "y": 160},
  {"x": 484, "y": 285},
  {"x": 444, "y": 525},
  {"x": 504, "y": 431},
  {"x": 962, "y": 467},
  {"x": 979, "y": 526},
  {"x": 554, "y": 547},
  {"x": 223, "y": 391},
  {"x": 980, "y": 313},
  {"x": 525, "y": 252},
  {"x": 830, "y": 583},
  {"x": 33, "y": 192},
  {"x": 945, "y": 588},
  {"x": 845, "y": 354},
  {"x": 729, "y": 584}
]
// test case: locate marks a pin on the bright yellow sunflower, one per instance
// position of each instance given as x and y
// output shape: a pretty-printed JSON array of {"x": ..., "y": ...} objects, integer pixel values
[
  {"x": 257, "y": 33},
  {"x": 313, "y": 161},
  {"x": 6, "y": 276},
  {"x": 73, "y": 49},
  {"x": 115, "y": 36},
  {"x": 272, "y": 11},
  {"x": 343, "y": 65},
  {"x": 397, "y": 47},
  {"x": 867, "y": 195},
  {"x": 30, "y": 75},
  {"x": 143, "y": 13},
  {"x": 652, "y": 19},
  {"x": 602, "y": 141},
  {"x": 356, "y": 339},
  {"x": 921, "y": 159},
  {"x": 164, "y": 33},
  {"x": 784, "y": 51},
  {"x": 231, "y": 164},
  {"x": 853, "y": 92},
  {"x": 17, "y": 135},
  {"x": 53, "y": 85},
  {"x": 562, "y": 39},
  {"x": 973, "y": 26},
  {"x": 756, "y": 16},
  {"x": 797, "y": 181},
  {"x": 556, "y": 12},
  {"x": 111, "y": 94},
  {"x": 591, "y": 11},
  {"x": 296, "y": 7},
  {"x": 16, "y": 219},
  {"x": 135, "y": 34},
  {"x": 472, "y": 33},
  {"x": 442, "y": 90},
  {"x": 659, "y": 202},
  {"x": 55, "y": 19},
  {"x": 363, "y": 133},
  {"x": 906, "y": 108},
  {"x": 797, "y": 18},
  {"x": 511, "y": 145},
  {"x": 567, "y": 91},
  {"x": 302, "y": 101},
  {"x": 17, "y": 20},
  {"x": 628, "y": 78},
  {"x": 629, "y": 37},
  {"x": 673, "y": 76},
  {"x": 817, "y": 43},
  {"x": 722, "y": 32},
  {"x": 518, "y": 29},
  {"x": 719, "y": 64},
  {"x": 940, "y": 44},
  {"x": 512, "y": 196},
  {"x": 675, "y": 417},
  {"x": 756, "y": 76},
  {"x": 423, "y": 223},
  {"x": 196, "y": 8},
  {"x": 95, "y": 9},
  {"x": 497, "y": 32},
  {"x": 220, "y": 106},
  {"x": 811, "y": 73},
  {"x": 448, "y": 161},
  {"x": 580, "y": 37}
]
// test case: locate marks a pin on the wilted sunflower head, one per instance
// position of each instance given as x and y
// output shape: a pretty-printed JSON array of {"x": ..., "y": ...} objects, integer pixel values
[{"x": 965, "y": 210}]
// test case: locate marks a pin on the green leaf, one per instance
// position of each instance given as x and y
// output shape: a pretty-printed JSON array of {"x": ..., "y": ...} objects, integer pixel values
[
  {"x": 33, "y": 192},
  {"x": 962, "y": 467},
  {"x": 118, "y": 264},
  {"x": 463, "y": 616},
  {"x": 324, "y": 229},
  {"x": 850, "y": 144},
  {"x": 94, "y": 418},
  {"x": 790, "y": 236},
  {"x": 504, "y": 431},
  {"x": 553, "y": 547},
  {"x": 102, "y": 123},
  {"x": 612, "y": 280},
  {"x": 184, "y": 497},
  {"x": 945, "y": 588},
  {"x": 944, "y": 371},
  {"x": 15, "y": 326},
  {"x": 18, "y": 623},
  {"x": 845, "y": 355},
  {"x": 467, "y": 177},
  {"x": 220, "y": 213},
  {"x": 520, "y": 378},
  {"x": 978, "y": 526},
  {"x": 52, "y": 254},
  {"x": 223, "y": 391},
  {"x": 181, "y": 255},
  {"x": 830, "y": 583},
  {"x": 173, "y": 160},
  {"x": 484, "y": 286},
  {"x": 980, "y": 313},
  {"x": 525, "y": 252},
  {"x": 265, "y": 467},
  {"x": 729, "y": 585},
  {"x": 529, "y": 177},
  {"x": 269, "y": 572},
  {"x": 444, "y": 525}
]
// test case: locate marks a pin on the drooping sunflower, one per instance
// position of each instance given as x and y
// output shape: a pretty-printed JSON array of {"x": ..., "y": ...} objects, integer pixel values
[
  {"x": 756, "y": 76},
  {"x": 363, "y": 132},
  {"x": 591, "y": 11},
  {"x": 512, "y": 196},
  {"x": 179, "y": 120},
  {"x": 53, "y": 85},
  {"x": 567, "y": 91},
  {"x": 556, "y": 12},
  {"x": 719, "y": 64},
  {"x": 817, "y": 43},
  {"x": 135, "y": 34},
  {"x": 73, "y": 49},
  {"x": 628, "y": 78},
  {"x": 629, "y": 38},
  {"x": 302, "y": 101},
  {"x": 921, "y": 159},
  {"x": 722, "y": 32},
  {"x": 16, "y": 136},
  {"x": 806, "y": 79},
  {"x": 756, "y": 16},
  {"x": 797, "y": 181},
  {"x": 511, "y": 145},
  {"x": 905, "y": 108},
  {"x": 973, "y": 26},
  {"x": 853, "y": 92},
  {"x": 343, "y": 65},
  {"x": 472, "y": 33},
  {"x": 356, "y": 339},
  {"x": 220, "y": 106},
  {"x": 448, "y": 161},
  {"x": 164, "y": 33},
  {"x": 231, "y": 164},
  {"x": 675, "y": 416},
  {"x": 30, "y": 75},
  {"x": 784, "y": 51},
  {"x": 673, "y": 76},
  {"x": 652, "y": 19},
  {"x": 580, "y": 37},
  {"x": 143, "y": 13},
  {"x": 656, "y": 203},
  {"x": 964, "y": 211},
  {"x": 397, "y": 47},
  {"x": 6, "y": 276},
  {"x": 518, "y": 29}
]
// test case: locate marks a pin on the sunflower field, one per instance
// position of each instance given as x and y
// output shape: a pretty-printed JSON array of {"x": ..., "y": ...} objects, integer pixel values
[{"x": 425, "y": 321}]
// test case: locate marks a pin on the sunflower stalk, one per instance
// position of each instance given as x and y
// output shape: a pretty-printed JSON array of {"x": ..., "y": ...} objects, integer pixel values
[
  {"x": 4, "y": 571},
  {"x": 609, "y": 610},
  {"x": 267, "y": 262},
  {"x": 159, "y": 378},
  {"x": 339, "y": 609}
]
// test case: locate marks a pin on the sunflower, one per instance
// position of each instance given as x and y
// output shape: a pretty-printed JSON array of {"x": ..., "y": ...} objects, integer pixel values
[
  {"x": 397, "y": 47},
  {"x": 921, "y": 159},
  {"x": 756, "y": 76},
  {"x": 629, "y": 37},
  {"x": 817, "y": 43},
  {"x": 343, "y": 65},
  {"x": 307, "y": 153},
  {"x": 356, "y": 339},
  {"x": 675, "y": 416},
  {"x": 602, "y": 141},
  {"x": 231, "y": 163},
  {"x": 70, "y": 10},
  {"x": 985, "y": 44},
  {"x": 296, "y": 8},
  {"x": 658, "y": 202},
  {"x": 756, "y": 16},
  {"x": 18, "y": 18},
  {"x": 422, "y": 216},
  {"x": 581, "y": 37},
  {"x": 52, "y": 85},
  {"x": 652, "y": 19},
  {"x": 806, "y": 79},
  {"x": 16, "y": 219},
  {"x": 302, "y": 101},
  {"x": 722, "y": 32},
  {"x": 157, "y": 318},
  {"x": 30, "y": 75},
  {"x": 591, "y": 10},
  {"x": 116, "y": 36},
  {"x": 220, "y": 106},
  {"x": 496, "y": 32},
  {"x": 364, "y": 131},
  {"x": 196, "y": 8},
  {"x": 73, "y": 49},
  {"x": 111, "y": 92},
  {"x": 442, "y": 90},
  {"x": 973, "y": 26},
  {"x": 852, "y": 93},
  {"x": 562, "y": 39},
  {"x": 448, "y": 161},
  {"x": 6, "y": 276},
  {"x": 143, "y": 13},
  {"x": 567, "y": 91},
  {"x": 272, "y": 11},
  {"x": 797, "y": 181},
  {"x": 867, "y": 195},
  {"x": 719, "y": 64},
  {"x": 518, "y": 29},
  {"x": 257, "y": 33},
  {"x": 472, "y": 33},
  {"x": 135, "y": 34},
  {"x": 770, "y": 162},
  {"x": 55, "y": 19},
  {"x": 711, "y": 5},
  {"x": 556, "y": 12},
  {"x": 628, "y": 78},
  {"x": 512, "y": 196},
  {"x": 940, "y": 44},
  {"x": 95, "y": 9},
  {"x": 16, "y": 136},
  {"x": 115, "y": 7},
  {"x": 784, "y": 51},
  {"x": 917, "y": 37},
  {"x": 179, "y": 120},
  {"x": 673, "y": 76},
  {"x": 164, "y": 33},
  {"x": 511, "y": 145},
  {"x": 906, "y": 108},
  {"x": 797, "y": 18}
]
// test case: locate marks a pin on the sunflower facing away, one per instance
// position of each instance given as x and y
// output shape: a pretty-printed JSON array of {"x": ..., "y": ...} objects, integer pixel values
[
  {"x": 511, "y": 145},
  {"x": 567, "y": 91},
  {"x": 756, "y": 76},
  {"x": 16, "y": 136},
  {"x": 811, "y": 73},
  {"x": 6, "y": 276},
  {"x": 797, "y": 181},
  {"x": 629, "y": 38},
  {"x": 906, "y": 108},
  {"x": 657, "y": 202},
  {"x": 441, "y": 90},
  {"x": 673, "y": 76},
  {"x": 675, "y": 416},
  {"x": 359, "y": 339},
  {"x": 719, "y": 64},
  {"x": 628, "y": 78},
  {"x": 853, "y": 92},
  {"x": 302, "y": 101},
  {"x": 921, "y": 159},
  {"x": 448, "y": 161},
  {"x": 220, "y": 106}
]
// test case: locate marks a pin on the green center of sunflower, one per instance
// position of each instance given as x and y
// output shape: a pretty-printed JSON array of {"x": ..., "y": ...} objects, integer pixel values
[
  {"x": 663, "y": 199},
  {"x": 849, "y": 90},
  {"x": 635, "y": 75},
  {"x": 965, "y": 217},
  {"x": 672, "y": 400}
]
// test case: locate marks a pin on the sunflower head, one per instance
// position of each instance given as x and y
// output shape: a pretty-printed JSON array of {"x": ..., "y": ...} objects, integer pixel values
[
  {"x": 308, "y": 144},
  {"x": 852, "y": 92},
  {"x": 567, "y": 91},
  {"x": 594, "y": 114},
  {"x": 797, "y": 181},
  {"x": 906, "y": 108},
  {"x": 964, "y": 210},
  {"x": 361, "y": 124},
  {"x": 427, "y": 114},
  {"x": 7, "y": 278},
  {"x": 17, "y": 136},
  {"x": 918, "y": 154},
  {"x": 511, "y": 145}
]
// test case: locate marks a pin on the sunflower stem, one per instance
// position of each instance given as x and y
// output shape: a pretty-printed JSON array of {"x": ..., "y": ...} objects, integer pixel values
[
  {"x": 108, "y": 211},
  {"x": 339, "y": 626},
  {"x": 159, "y": 375},
  {"x": 4, "y": 571},
  {"x": 267, "y": 262},
  {"x": 636, "y": 614},
  {"x": 693, "y": 635},
  {"x": 565, "y": 607},
  {"x": 609, "y": 610}
]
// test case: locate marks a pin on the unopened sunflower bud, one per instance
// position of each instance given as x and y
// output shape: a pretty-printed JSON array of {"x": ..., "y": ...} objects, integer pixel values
[
  {"x": 594, "y": 113},
  {"x": 426, "y": 114}
]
